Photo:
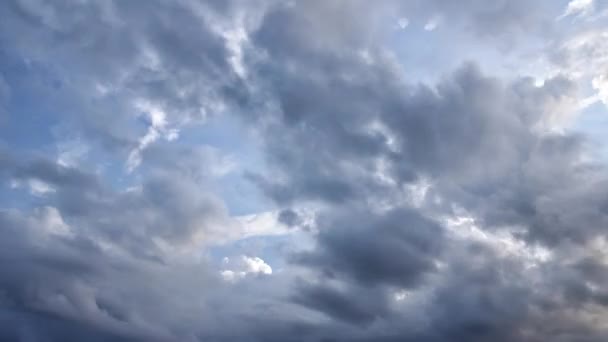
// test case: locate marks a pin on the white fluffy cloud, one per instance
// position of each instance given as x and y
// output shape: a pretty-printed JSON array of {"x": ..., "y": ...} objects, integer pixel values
[{"x": 244, "y": 266}]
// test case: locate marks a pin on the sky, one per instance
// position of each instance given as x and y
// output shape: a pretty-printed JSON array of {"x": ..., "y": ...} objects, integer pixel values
[{"x": 304, "y": 170}]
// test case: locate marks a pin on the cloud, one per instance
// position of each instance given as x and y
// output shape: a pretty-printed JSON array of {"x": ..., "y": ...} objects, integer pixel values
[
  {"x": 395, "y": 248},
  {"x": 340, "y": 304},
  {"x": 128, "y": 59},
  {"x": 401, "y": 209},
  {"x": 4, "y": 96},
  {"x": 246, "y": 265},
  {"x": 578, "y": 7},
  {"x": 582, "y": 56},
  {"x": 484, "y": 143},
  {"x": 166, "y": 211},
  {"x": 432, "y": 23},
  {"x": 403, "y": 23},
  {"x": 157, "y": 129}
]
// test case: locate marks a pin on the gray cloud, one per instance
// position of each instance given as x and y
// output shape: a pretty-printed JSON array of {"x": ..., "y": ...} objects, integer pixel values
[
  {"x": 340, "y": 304},
  {"x": 4, "y": 96},
  {"x": 110, "y": 62},
  {"x": 394, "y": 248},
  {"x": 480, "y": 141}
]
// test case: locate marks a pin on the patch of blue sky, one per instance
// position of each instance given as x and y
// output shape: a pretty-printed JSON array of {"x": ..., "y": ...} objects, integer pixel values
[
  {"x": 593, "y": 122},
  {"x": 444, "y": 49},
  {"x": 228, "y": 135},
  {"x": 28, "y": 125},
  {"x": 19, "y": 197},
  {"x": 271, "y": 248}
]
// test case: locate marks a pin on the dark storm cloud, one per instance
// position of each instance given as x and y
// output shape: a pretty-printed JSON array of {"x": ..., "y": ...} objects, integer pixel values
[
  {"x": 289, "y": 217},
  {"x": 367, "y": 254},
  {"x": 330, "y": 102},
  {"x": 481, "y": 141},
  {"x": 394, "y": 248},
  {"x": 351, "y": 305},
  {"x": 44, "y": 285},
  {"x": 5, "y": 93},
  {"x": 478, "y": 303},
  {"x": 470, "y": 133}
]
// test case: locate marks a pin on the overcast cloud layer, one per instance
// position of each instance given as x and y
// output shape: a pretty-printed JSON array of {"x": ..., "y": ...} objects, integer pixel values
[{"x": 309, "y": 170}]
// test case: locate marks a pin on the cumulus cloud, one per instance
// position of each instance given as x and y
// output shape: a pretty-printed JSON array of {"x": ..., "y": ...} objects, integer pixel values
[
  {"x": 577, "y": 7},
  {"x": 246, "y": 265}
]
